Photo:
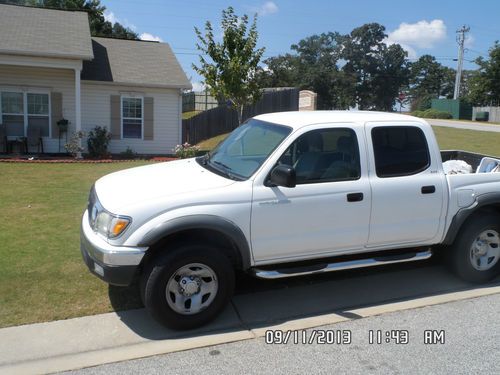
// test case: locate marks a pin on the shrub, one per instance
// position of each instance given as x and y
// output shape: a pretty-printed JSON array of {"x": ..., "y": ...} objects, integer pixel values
[
  {"x": 432, "y": 113},
  {"x": 186, "y": 151},
  {"x": 98, "y": 141},
  {"x": 128, "y": 153},
  {"x": 74, "y": 146}
]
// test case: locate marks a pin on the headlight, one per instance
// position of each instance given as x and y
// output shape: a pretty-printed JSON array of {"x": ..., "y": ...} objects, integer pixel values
[{"x": 104, "y": 222}]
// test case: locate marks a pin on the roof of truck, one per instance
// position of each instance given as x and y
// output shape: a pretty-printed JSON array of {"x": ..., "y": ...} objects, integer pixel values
[{"x": 298, "y": 119}]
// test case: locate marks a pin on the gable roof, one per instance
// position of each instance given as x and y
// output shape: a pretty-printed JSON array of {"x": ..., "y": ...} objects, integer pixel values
[
  {"x": 134, "y": 62},
  {"x": 44, "y": 32}
]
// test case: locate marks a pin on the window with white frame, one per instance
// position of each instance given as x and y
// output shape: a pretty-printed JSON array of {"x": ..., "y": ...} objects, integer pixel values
[
  {"x": 132, "y": 117},
  {"x": 22, "y": 109}
]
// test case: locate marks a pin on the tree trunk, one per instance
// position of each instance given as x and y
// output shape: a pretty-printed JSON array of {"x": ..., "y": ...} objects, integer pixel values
[{"x": 239, "y": 109}]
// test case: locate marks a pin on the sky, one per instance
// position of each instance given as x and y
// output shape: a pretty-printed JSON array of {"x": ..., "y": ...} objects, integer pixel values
[{"x": 421, "y": 27}]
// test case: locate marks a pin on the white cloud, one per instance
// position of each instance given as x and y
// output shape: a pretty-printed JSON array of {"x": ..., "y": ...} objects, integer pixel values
[
  {"x": 198, "y": 86},
  {"x": 469, "y": 41},
  {"x": 269, "y": 7},
  {"x": 150, "y": 37},
  {"x": 422, "y": 34},
  {"x": 110, "y": 17}
]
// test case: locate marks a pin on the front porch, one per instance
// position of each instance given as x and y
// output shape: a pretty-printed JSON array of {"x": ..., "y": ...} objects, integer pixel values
[{"x": 35, "y": 95}]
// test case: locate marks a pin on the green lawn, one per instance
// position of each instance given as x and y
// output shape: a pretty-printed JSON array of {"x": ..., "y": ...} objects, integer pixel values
[
  {"x": 469, "y": 140},
  {"x": 42, "y": 275}
]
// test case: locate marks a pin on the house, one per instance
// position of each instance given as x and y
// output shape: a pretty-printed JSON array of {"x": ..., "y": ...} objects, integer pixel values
[{"x": 52, "y": 69}]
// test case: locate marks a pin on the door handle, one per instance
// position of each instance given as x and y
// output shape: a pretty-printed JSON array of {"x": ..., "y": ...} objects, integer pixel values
[
  {"x": 428, "y": 189},
  {"x": 354, "y": 197}
]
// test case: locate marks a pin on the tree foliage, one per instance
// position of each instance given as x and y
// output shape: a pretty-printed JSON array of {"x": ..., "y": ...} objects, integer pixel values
[
  {"x": 98, "y": 24},
  {"x": 230, "y": 71},
  {"x": 484, "y": 84},
  {"x": 380, "y": 71},
  {"x": 429, "y": 79},
  {"x": 343, "y": 69}
]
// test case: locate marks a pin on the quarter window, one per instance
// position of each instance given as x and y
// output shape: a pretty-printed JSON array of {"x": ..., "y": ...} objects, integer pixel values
[
  {"x": 132, "y": 117},
  {"x": 399, "y": 150},
  {"x": 324, "y": 155}
]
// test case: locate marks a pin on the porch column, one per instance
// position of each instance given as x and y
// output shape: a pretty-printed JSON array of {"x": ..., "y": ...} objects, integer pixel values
[{"x": 78, "y": 108}]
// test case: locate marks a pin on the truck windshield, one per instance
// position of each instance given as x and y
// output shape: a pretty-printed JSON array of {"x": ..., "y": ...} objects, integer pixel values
[{"x": 245, "y": 149}]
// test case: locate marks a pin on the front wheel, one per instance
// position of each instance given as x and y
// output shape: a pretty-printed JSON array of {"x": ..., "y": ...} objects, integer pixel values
[
  {"x": 187, "y": 287},
  {"x": 475, "y": 254}
]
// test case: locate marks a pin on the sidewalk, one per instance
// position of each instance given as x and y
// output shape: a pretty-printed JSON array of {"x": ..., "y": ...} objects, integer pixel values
[
  {"x": 94, "y": 340},
  {"x": 457, "y": 124}
]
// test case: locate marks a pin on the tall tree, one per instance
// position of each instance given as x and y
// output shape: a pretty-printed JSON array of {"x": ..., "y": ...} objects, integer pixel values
[
  {"x": 232, "y": 72},
  {"x": 312, "y": 66},
  {"x": 484, "y": 84},
  {"x": 429, "y": 80},
  {"x": 380, "y": 71},
  {"x": 98, "y": 24}
]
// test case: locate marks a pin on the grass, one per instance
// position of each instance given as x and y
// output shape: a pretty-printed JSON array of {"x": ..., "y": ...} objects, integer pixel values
[
  {"x": 469, "y": 140},
  {"x": 187, "y": 115},
  {"x": 211, "y": 143},
  {"x": 42, "y": 275}
]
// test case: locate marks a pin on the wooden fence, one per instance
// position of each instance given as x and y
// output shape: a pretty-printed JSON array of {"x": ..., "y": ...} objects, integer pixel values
[{"x": 223, "y": 119}]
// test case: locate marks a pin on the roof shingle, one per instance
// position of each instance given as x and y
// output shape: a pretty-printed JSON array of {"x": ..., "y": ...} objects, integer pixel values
[
  {"x": 134, "y": 62},
  {"x": 44, "y": 32}
]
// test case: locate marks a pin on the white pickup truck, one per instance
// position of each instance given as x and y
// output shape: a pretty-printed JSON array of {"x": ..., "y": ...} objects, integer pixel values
[{"x": 289, "y": 194}]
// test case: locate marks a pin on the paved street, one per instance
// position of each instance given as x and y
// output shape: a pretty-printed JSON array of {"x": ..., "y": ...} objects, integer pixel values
[
  {"x": 471, "y": 345},
  {"x": 465, "y": 125}
]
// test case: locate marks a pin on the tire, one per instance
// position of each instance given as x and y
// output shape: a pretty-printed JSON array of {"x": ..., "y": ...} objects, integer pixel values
[
  {"x": 200, "y": 282},
  {"x": 480, "y": 234}
]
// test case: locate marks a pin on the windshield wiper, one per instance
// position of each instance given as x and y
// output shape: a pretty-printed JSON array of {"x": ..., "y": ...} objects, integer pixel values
[{"x": 227, "y": 171}]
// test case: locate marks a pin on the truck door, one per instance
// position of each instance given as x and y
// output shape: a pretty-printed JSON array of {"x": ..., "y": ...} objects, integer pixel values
[
  {"x": 327, "y": 212},
  {"x": 408, "y": 187}
]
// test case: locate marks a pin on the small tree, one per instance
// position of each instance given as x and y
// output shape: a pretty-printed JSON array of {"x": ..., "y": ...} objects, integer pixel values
[{"x": 231, "y": 75}]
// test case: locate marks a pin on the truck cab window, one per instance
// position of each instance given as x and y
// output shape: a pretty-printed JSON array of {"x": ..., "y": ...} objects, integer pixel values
[
  {"x": 324, "y": 155},
  {"x": 399, "y": 151}
]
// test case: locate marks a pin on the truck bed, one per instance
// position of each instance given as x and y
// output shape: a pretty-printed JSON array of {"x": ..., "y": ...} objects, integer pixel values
[{"x": 472, "y": 158}]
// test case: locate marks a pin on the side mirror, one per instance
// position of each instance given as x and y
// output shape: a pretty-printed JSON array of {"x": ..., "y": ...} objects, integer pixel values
[{"x": 283, "y": 175}]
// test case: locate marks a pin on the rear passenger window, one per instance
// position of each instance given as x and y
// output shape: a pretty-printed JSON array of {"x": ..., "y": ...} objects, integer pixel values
[
  {"x": 399, "y": 150},
  {"x": 324, "y": 155}
]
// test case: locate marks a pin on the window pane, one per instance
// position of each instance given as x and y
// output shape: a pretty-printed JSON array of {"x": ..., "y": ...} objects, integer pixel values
[
  {"x": 132, "y": 128},
  {"x": 12, "y": 102},
  {"x": 324, "y": 155},
  {"x": 38, "y": 104},
  {"x": 14, "y": 125},
  {"x": 399, "y": 150},
  {"x": 40, "y": 121},
  {"x": 132, "y": 107}
]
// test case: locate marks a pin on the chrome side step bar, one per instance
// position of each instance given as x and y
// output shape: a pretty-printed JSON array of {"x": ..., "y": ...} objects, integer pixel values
[{"x": 339, "y": 266}]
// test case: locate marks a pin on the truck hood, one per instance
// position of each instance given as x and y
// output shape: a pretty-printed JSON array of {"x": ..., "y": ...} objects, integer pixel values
[{"x": 131, "y": 186}]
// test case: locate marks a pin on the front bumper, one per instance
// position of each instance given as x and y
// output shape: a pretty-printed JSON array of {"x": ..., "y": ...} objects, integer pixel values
[{"x": 115, "y": 265}]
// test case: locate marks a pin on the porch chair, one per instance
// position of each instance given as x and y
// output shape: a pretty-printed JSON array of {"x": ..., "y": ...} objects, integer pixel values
[
  {"x": 34, "y": 139},
  {"x": 3, "y": 138}
]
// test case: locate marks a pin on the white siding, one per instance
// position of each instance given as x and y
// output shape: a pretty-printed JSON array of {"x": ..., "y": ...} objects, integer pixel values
[
  {"x": 23, "y": 78},
  {"x": 96, "y": 110},
  {"x": 95, "y": 101}
]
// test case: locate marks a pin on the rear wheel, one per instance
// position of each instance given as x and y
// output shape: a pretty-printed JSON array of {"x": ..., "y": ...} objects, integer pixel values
[
  {"x": 475, "y": 254},
  {"x": 187, "y": 287}
]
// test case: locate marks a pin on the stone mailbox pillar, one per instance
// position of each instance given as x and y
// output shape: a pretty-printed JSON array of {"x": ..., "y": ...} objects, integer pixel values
[{"x": 307, "y": 100}]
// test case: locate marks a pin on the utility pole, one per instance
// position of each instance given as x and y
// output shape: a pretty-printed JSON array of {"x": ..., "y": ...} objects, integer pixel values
[{"x": 461, "y": 41}]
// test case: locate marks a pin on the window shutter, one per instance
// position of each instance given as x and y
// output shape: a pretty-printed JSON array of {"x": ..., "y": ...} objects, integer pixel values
[
  {"x": 148, "y": 119},
  {"x": 56, "y": 112},
  {"x": 115, "y": 117}
]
